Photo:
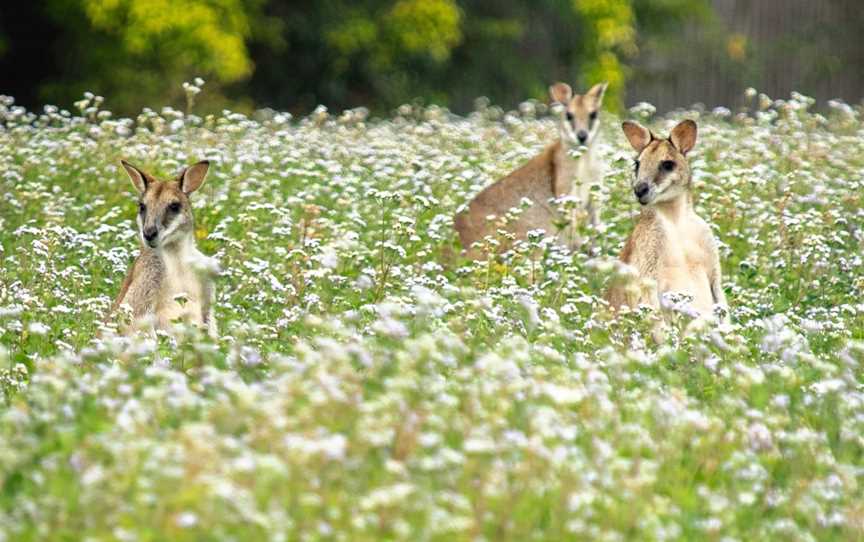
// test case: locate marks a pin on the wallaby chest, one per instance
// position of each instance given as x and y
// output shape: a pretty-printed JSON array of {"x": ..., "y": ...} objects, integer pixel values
[
  {"x": 581, "y": 173},
  {"x": 589, "y": 172},
  {"x": 184, "y": 292},
  {"x": 685, "y": 261},
  {"x": 671, "y": 245}
]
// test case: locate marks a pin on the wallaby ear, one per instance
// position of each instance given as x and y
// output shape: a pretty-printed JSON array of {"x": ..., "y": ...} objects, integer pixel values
[
  {"x": 193, "y": 176},
  {"x": 683, "y": 136},
  {"x": 597, "y": 92},
  {"x": 636, "y": 134},
  {"x": 139, "y": 178},
  {"x": 561, "y": 93}
]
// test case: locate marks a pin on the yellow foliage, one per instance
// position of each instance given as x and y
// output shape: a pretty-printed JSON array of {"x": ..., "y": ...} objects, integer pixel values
[
  {"x": 354, "y": 34},
  {"x": 426, "y": 26},
  {"x": 413, "y": 27},
  {"x": 612, "y": 21},
  {"x": 736, "y": 47},
  {"x": 610, "y": 35},
  {"x": 208, "y": 36},
  {"x": 607, "y": 67}
]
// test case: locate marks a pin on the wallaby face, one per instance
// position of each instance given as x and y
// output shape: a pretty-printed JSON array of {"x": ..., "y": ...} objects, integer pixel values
[
  {"x": 661, "y": 169},
  {"x": 164, "y": 211},
  {"x": 579, "y": 120}
]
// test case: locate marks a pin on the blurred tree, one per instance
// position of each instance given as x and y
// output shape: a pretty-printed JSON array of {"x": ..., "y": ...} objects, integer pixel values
[
  {"x": 408, "y": 28},
  {"x": 138, "y": 52},
  {"x": 617, "y": 30},
  {"x": 343, "y": 53},
  {"x": 27, "y": 61},
  {"x": 609, "y": 37},
  {"x": 512, "y": 50},
  {"x": 383, "y": 53},
  {"x": 389, "y": 38}
]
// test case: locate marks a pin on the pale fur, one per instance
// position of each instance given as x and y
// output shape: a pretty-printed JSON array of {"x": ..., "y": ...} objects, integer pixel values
[
  {"x": 170, "y": 280},
  {"x": 670, "y": 248},
  {"x": 552, "y": 174}
]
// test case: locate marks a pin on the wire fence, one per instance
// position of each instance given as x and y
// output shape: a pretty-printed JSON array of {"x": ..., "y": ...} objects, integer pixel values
[{"x": 776, "y": 46}]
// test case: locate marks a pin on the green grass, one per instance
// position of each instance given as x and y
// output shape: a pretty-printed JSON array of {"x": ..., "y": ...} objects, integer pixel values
[{"x": 368, "y": 384}]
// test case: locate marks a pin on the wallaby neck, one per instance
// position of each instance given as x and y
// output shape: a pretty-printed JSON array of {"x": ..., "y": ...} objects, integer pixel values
[
  {"x": 180, "y": 248},
  {"x": 565, "y": 149},
  {"x": 675, "y": 210}
]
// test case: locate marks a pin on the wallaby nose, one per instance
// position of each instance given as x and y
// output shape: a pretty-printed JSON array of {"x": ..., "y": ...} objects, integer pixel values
[
  {"x": 582, "y": 135},
  {"x": 150, "y": 234},
  {"x": 641, "y": 190}
]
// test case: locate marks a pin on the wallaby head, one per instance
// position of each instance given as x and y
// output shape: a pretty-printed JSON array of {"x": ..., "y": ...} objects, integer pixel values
[
  {"x": 164, "y": 212},
  {"x": 661, "y": 170},
  {"x": 579, "y": 120}
]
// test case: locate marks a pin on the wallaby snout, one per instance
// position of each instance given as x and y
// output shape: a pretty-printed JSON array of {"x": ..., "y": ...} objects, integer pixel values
[
  {"x": 150, "y": 235},
  {"x": 641, "y": 190}
]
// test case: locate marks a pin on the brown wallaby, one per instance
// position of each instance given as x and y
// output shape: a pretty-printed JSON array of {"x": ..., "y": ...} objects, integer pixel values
[
  {"x": 670, "y": 246},
  {"x": 170, "y": 280},
  {"x": 554, "y": 173}
]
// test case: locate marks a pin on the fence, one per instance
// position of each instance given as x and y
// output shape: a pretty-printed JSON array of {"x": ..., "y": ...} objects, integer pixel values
[{"x": 777, "y": 46}]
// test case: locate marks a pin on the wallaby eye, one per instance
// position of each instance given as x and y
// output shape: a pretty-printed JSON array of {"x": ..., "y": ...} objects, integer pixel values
[
  {"x": 667, "y": 165},
  {"x": 174, "y": 207},
  {"x": 593, "y": 116},
  {"x": 636, "y": 165},
  {"x": 142, "y": 208},
  {"x": 570, "y": 116}
]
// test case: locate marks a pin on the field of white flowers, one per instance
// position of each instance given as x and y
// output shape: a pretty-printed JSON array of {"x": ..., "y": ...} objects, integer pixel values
[{"x": 371, "y": 385}]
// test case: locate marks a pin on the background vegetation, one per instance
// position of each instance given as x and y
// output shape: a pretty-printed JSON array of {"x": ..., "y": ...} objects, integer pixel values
[{"x": 382, "y": 53}]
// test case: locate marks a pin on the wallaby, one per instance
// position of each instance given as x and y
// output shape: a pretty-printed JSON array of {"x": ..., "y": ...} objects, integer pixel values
[
  {"x": 670, "y": 245},
  {"x": 170, "y": 280},
  {"x": 554, "y": 173}
]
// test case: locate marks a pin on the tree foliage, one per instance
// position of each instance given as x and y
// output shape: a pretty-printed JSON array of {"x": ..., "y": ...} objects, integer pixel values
[
  {"x": 139, "y": 51},
  {"x": 207, "y": 36},
  {"x": 343, "y": 53},
  {"x": 609, "y": 36}
]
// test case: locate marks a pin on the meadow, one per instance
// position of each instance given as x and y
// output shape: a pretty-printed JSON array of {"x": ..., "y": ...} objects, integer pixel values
[{"x": 369, "y": 384}]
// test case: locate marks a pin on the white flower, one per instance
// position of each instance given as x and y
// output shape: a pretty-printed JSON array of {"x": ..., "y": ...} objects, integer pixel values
[
  {"x": 38, "y": 328},
  {"x": 386, "y": 496},
  {"x": 760, "y": 437},
  {"x": 186, "y": 520}
]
